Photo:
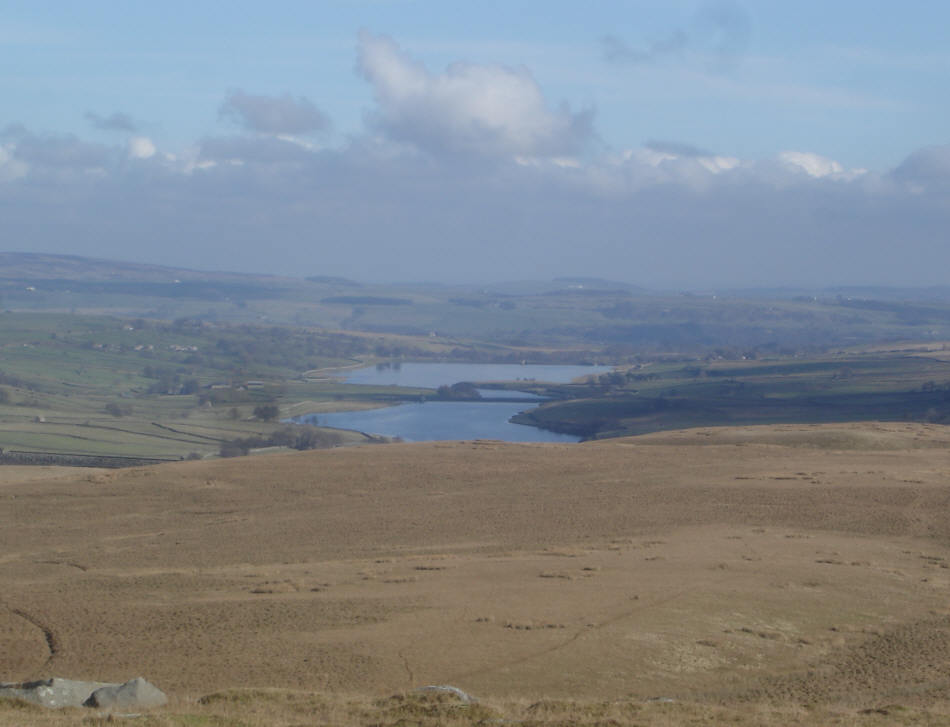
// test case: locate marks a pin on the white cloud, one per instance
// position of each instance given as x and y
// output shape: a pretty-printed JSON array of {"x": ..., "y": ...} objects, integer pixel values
[
  {"x": 655, "y": 154},
  {"x": 665, "y": 163},
  {"x": 141, "y": 147},
  {"x": 817, "y": 166},
  {"x": 471, "y": 108},
  {"x": 10, "y": 168},
  {"x": 812, "y": 164},
  {"x": 648, "y": 156},
  {"x": 717, "y": 164}
]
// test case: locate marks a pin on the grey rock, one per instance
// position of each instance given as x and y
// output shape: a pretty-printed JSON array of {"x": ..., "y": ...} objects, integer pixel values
[
  {"x": 134, "y": 694},
  {"x": 53, "y": 692},
  {"x": 466, "y": 698},
  {"x": 56, "y": 693}
]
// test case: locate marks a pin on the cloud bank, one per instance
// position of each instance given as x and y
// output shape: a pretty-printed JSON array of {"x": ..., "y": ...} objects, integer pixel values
[{"x": 472, "y": 174}]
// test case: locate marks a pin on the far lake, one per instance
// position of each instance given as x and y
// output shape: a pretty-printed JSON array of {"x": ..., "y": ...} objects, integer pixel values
[{"x": 445, "y": 420}]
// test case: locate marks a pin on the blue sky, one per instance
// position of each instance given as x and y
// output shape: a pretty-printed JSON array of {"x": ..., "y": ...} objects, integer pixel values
[{"x": 693, "y": 125}]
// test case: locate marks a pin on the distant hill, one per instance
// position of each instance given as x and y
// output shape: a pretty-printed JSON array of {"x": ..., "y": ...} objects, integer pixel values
[
  {"x": 598, "y": 283},
  {"x": 333, "y": 280},
  {"x": 41, "y": 266}
]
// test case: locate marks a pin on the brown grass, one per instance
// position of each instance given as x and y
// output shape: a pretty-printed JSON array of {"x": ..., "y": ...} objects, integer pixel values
[
  {"x": 284, "y": 708},
  {"x": 766, "y": 577}
]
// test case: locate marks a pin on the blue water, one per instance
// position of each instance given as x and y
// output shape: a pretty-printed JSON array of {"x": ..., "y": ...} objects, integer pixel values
[
  {"x": 443, "y": 420},
  {"x": 449, "y": 420}
]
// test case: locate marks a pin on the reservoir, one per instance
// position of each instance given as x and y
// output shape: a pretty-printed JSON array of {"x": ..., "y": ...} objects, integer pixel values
[{"x": 449, "y": 420}]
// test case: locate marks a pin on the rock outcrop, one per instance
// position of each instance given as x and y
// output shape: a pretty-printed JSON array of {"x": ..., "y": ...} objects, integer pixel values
[
  {"x": 133, "y": 694},
  {"x": 448, "y": 689}
]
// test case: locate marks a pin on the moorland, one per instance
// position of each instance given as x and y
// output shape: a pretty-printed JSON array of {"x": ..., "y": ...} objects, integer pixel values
[{"x": 762, "y": 575}]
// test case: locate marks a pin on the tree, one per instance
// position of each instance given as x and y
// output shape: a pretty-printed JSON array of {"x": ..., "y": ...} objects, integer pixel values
[
  {"x": 312, "y": 438},
  {"x": 191, "y": 386},
  {"x": 266, "y": 412},
  {"x": 461, "y": 390},
  {"x": 230, "y": 449},
  {"x": 116, "y": 410}
]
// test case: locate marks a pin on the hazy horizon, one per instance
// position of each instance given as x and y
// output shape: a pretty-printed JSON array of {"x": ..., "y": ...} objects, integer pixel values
[{"x": 676, "y": 145}]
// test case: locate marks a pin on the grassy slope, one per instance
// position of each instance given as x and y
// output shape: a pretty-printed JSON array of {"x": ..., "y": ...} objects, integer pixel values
[
  {"x": 286, "y": 708},
  {"x": 845, "y": 387},
  {"x": 59, "y": 373},
  {"x": 799, "y": 578}
]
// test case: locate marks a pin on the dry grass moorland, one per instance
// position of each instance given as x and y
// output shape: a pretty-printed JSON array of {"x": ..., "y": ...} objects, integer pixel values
[{"x": 768, "y": 575}]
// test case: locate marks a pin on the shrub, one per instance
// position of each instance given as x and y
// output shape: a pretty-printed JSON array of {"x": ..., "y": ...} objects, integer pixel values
[
  {"x": 117, "y": 410},
  {"x": 266, "y": 412}
]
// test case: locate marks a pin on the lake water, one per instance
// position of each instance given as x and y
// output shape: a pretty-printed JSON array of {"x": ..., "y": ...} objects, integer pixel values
[
  {"x": 448, "y": 420},
  {"x": 442, "y": 420}
]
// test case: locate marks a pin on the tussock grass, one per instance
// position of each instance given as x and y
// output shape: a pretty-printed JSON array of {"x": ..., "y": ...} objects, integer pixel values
[{"x": 286, "y": 708}]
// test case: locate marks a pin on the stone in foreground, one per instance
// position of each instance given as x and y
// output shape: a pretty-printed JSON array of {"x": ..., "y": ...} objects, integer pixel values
[
  {"x": 55, "y": 693},
  {"x": 134, "y": 694},
  {"x": 448, "y": 689}
]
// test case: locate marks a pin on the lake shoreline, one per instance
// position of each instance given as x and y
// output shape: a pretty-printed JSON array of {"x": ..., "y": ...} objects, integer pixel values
[{"x": 441, "y": 419}]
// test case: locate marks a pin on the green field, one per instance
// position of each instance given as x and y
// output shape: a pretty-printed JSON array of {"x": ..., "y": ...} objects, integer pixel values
[
  {"x": 100, "y": 385},
  {"x": 855, "y": 386}
]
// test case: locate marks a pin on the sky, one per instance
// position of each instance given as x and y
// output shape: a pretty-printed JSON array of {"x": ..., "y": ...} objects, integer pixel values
[{"x": 678, "y": 144}]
